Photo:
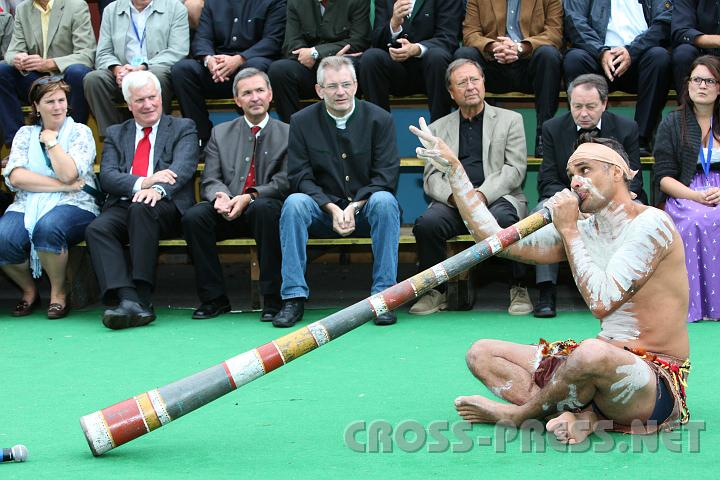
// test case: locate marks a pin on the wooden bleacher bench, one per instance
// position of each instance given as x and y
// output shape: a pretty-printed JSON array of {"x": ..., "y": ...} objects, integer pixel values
[{"x": 83, "y": 285}]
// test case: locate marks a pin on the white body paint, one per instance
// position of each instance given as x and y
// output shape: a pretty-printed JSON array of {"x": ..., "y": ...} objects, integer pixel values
[
  {"x": 611, "y": 254},
  {"x": 637, "y": 376},
  {"x": 571, "y": 402},
  {"x": 502, "y": 388}
]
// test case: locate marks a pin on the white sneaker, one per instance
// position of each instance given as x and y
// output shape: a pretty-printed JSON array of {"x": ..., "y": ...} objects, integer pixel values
[
  {"x": 429, "y": 303},
  {"x": 520, "y": 303}
]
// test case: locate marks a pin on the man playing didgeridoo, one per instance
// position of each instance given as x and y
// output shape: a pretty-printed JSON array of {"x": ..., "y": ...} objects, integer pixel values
[{"x": 628, "y": 262}]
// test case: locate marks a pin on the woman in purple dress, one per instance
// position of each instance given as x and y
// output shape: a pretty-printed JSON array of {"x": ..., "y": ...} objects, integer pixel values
[{"x": 687, "y": 172}]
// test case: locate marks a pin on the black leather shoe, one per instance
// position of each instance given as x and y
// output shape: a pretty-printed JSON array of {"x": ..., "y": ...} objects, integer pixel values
[
  {"x": 538, "y": 145},
  {"x": 545, "y": 306},
  {"x": 291, "y": 312},
  {"x": 387, "y": 318},
  {"x": 128, "y": 314},
  {"x": 212, "y": 309},
  {"x": 271, "y": 307}
]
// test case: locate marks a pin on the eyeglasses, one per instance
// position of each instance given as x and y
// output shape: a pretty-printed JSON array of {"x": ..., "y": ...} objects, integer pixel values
[
  {"x": 710, "y": 82},
  {"x": 334, "y": 87},
  {"x": 466, "y": 83}
]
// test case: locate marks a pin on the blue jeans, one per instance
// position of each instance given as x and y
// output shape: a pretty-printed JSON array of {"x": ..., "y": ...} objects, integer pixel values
[
  {"x": 61, "y": 227},
  {"x": 14, "y": 90},
  {"x": 301, "y": 217}
]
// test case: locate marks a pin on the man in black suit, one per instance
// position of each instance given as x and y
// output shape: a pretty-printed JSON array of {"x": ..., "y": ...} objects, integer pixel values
[
  {"x": 315, "y": 29},
  {"x": 626, "y": 41},
  {"x": 413, "y": 43},
  {"x": 147, "y": 168},
  {"x": 231, "y": 36},
  {"x": 587, "y": 96},
  {"x": 344, "y": 164},
  {"x": 243, "y": 186}
]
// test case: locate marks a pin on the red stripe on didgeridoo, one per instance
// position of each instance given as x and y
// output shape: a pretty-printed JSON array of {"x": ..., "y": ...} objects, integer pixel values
[
  {"x": 270, "y": 356},
  {"x": 398, "y": 293},
  {"x": 229, "y": 375},
  {"x": 125, "y": 421}
]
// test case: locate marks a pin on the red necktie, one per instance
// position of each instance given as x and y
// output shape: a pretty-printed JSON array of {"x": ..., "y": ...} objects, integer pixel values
[
  {"x": 250, "y": 180},
  {"x": 142, "y": 155}
]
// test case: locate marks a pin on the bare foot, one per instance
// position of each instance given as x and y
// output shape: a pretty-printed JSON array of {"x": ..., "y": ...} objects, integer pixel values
[
  {"x": 572, "y": 428},
  {"x": 478, "y": 409}
]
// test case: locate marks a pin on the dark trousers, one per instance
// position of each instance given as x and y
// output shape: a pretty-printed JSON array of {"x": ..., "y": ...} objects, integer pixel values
[
  {"x": 137, "y": 224},
  {"x": 193, "y": 84},
  {"x": 203, "y": 227},
  {"x": 440, "y": 222},
  {"x": 291, "y": 82},
  {"x": 649, "y": 78},
  {"x": 539, "y": 75},
  {"x": 14, "y": 89},
  {"x": 682, "y": 57},
  {"x": 381, "y": 76}
]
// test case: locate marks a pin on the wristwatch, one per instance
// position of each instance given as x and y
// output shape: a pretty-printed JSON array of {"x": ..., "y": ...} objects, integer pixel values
[
  {"x": 51, "y": 144},
  {"x": 159, "y": 190},
  {"x": 520, "y": 48},
  {"x": 206, "y": 60},
  {"x": 314, "y": 53},
  {"x": 356, "y": 207}
]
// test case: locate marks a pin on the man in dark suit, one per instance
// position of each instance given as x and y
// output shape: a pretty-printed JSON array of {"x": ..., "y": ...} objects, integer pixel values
[
  {"x": 343, "y": 163},
  {"x": 243, "y": 187},
  {"x": 231, "y": 36},
  {"x": 315, "y": 29},
  {"x": 587, "y": 96},
  {"x": 626, "y": 40},
  {"x": 695, "y": 30},
  {"x": 147, "y": 168},
  {"x": 413, "y": 43}
]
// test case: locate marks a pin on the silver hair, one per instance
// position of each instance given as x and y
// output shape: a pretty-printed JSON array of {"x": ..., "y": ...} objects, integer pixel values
[
  {"x": 139, "y": 79},
  {"x": 591, "y": 80},
  {"x": 457, "y": 64},
  {"x": 247, "y": 73},
  {"x": 336, "y": 63}
]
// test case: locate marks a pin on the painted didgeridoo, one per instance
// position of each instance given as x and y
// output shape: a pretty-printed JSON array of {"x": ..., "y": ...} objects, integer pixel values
[{"x": 125, "y": 421}]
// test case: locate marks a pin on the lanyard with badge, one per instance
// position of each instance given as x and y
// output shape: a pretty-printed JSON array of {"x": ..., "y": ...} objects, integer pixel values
[
  {"x": 705, "y": 162},
  {"x": 138, "y": 59}
]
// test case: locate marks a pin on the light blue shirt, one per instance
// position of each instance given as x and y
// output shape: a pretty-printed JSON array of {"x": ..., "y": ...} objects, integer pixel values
[
  {"x": 135, "y": 52},
  {"x": 627, "y": 21}
]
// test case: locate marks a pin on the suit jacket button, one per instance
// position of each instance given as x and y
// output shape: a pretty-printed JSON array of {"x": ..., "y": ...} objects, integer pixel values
[
  {"x": 347, "y": 178},
  {"x": 344, "y": 156},
  {"x": 234, "y": 38}
]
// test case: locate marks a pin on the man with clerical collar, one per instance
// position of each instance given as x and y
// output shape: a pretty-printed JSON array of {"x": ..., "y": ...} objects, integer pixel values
[
  {"x": 51, "y": 37},
  {"x": 135, "y": 35},
  {"x": 147, "y": 168},
  {"x": 243, "y": 187},
  {"x": 628, "y": 262},
  {"x": 490, "y": 143},
  {"x": 343, "y": 165},
  {"x": 588, "y": 98}
]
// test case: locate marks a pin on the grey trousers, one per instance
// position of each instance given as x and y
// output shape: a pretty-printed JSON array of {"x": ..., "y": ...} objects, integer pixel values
[{"x": 102, "y": 93}]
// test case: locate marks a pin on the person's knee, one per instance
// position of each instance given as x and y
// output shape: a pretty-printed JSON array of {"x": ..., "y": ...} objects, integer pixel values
[
  {"x": 684, "y": 54},
  {"x": 657, "y": 58},
  {"x": 426, "y": 228},
  {"x": 373, "y": 57},
  {"x": 480, "y": 354},
  {"x": 183, "y": 70},
  {"x": 141, "y": 209},
  {"x": 282, "y": 71},
  {"x": 296, "y": 207},
  {"x": 549, "y": 56},
  {"x": 75, "y": 74},
  {"x": 590, "y": 357},
  {"x": 267, "y": 207},
  {"x": 383, "y": 204},
  {"x": 13, "y": 251},
  {"x": 193, "y": 216},
  {"x": 49, "y": 236}
]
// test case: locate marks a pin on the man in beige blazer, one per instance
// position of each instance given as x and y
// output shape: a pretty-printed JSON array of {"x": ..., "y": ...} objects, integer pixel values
[
  {"x": 135, "y": 35},
  {"x": 490, "y": 143},
  {"x": 51, "y": 37}
]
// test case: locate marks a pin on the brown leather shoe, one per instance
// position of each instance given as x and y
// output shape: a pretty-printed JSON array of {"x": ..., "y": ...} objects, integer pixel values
[
  {"x": 23, "y": 308},
  {"x": 56, "y": 311}
]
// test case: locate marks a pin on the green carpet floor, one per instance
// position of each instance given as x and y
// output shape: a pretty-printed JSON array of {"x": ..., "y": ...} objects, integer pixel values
[{"x": 292, "y": 422}]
